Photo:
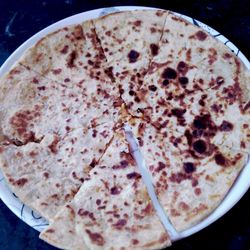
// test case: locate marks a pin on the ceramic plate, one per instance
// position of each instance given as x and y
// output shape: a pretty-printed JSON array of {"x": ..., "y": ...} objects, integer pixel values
[{"x": 35, "y": 220}]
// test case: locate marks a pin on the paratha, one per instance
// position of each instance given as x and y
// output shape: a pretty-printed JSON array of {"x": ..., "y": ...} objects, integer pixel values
[
  {"x": 32, "y": 105},
  {"x": 68, "y": 55},
  {"x": 193, "y": 75},
  {"x": 112, "y": 210},
  {"x": 47, "y": 174},
  {"x": 194, "y": 121},
  {"x": 130, "y": 41},
  {"x": 189, "y": 185},
  {"x": 63, "y": 103},
  {"x": 73, "y": 57}
]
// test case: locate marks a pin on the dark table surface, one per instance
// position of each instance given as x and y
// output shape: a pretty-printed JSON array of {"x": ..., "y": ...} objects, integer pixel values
[{"x": 21, "y": 19}]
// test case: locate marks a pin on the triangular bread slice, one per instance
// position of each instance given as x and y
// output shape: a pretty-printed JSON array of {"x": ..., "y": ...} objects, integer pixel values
[
  {"x": 193, "y": 75},
  {"x": 46, "y": 175},
  {"x": 112, "y": 209},
  {"x": 189, "y": 185},
  {"x": 130, "y": 40}
]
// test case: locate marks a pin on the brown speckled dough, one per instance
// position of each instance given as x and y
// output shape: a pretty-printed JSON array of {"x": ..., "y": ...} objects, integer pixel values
[
  {"x": 186, "y": 96},
  {"x": 48, "y": 94},
  {"x": 195, "y": 75},
  {"x": 48, "y": 174},
  {"x": 69, "y": 55},
  {"x": 190, "y": 177},
  {"x": 130, "y": 41},
  {"x": 112, "y": 210}
]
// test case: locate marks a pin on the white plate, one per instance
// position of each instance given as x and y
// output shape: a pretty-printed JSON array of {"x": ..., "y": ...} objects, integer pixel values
[{"x": 36, "y": 221}]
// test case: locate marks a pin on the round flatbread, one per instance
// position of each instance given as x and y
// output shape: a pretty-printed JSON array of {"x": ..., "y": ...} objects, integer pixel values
[{"x": 186, "y": 97}]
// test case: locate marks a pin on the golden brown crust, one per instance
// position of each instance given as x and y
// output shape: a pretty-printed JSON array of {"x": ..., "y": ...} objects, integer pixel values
[{"x": 194, "y": 92}]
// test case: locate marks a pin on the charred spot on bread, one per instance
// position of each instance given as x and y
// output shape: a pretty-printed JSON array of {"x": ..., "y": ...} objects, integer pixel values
[
  {"x": 169, "y": 73},
  {"x": 133, "y": 55}
]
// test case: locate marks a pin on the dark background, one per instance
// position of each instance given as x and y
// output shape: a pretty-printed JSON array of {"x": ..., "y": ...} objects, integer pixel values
[{"x": 19, "y": 20}]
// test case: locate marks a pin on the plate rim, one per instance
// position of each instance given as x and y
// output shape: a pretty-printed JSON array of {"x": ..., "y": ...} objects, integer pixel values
[{"x": 241, "y": 184}]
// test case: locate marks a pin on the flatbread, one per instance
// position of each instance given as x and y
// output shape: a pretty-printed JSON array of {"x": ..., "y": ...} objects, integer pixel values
[
  {"x": 112, "y": 210},
  {"x": 130, "y": 40},
  {"x": 73, "y": 57},
  {"x": 179, "y": 97},
  {"x": 163, "y": 67},
  {"x": 186, "y": 97},
  {"x": 47, "y": 174},
  {"x": 195, "y": 75},
  {"x": 59, "y": 90},
  {"x": 33, "y": 106},
  {"x": 189, "y": 186},
  {"x": 68, "y": 55}
]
